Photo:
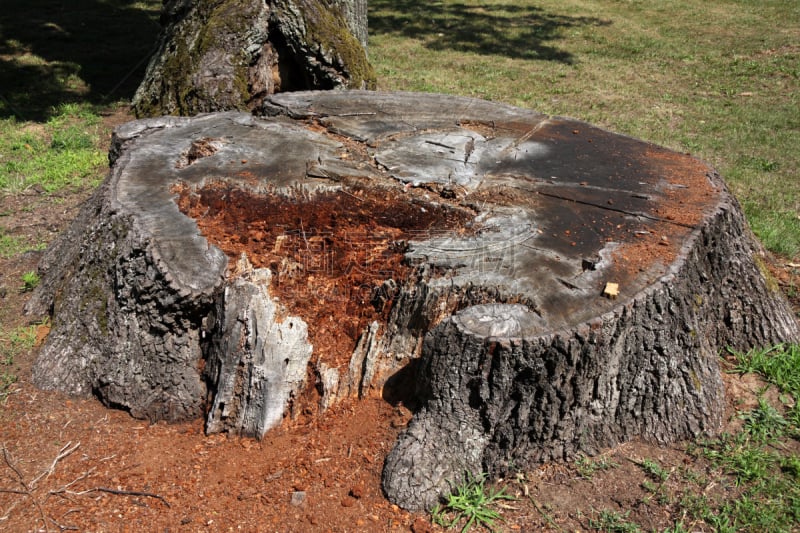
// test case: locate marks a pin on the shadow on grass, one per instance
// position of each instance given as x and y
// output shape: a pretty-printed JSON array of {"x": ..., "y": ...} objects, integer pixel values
[
  {"x": 513, "y": 31},
  {"x": 54, "y": 52}
]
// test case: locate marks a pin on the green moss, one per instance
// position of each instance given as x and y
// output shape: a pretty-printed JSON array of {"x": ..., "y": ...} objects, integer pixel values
[
  {"x": 329, "y": 28},
  {"x": 698, "y": 385},
  {"x": 214, "y": 24},
  {"x": 772, "y": 283},
  {"x": 93, "y": 300},
  {"x": 226, "y": 19}
]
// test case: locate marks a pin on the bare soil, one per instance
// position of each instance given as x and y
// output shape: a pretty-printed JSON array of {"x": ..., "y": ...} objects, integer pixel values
[{"x": 72, "y": 464}]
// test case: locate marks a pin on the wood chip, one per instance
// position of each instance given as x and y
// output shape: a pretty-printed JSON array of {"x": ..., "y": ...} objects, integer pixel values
[{"x": 611, "y": 290}]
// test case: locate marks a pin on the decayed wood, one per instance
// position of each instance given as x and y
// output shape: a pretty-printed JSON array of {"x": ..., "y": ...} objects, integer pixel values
[{"x": 480, "y": 241}]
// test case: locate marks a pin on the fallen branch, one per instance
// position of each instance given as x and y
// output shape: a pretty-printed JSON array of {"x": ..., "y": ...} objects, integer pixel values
[
  {"x": 546, "y": 516},
  {"x": 13, "y": 491},
  {"x": 65, "y": 451},
  {"x": 122, "y": 493},
  {"x": 65, "y": 488},
  {"x": 28, "y": 490}
]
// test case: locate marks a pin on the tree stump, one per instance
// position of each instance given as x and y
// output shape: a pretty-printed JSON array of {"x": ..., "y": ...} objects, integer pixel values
[{"x": 533, "y": 286}]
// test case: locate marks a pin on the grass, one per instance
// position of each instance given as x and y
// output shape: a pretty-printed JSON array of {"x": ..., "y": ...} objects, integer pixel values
[
  {"x": 780, "y": 365},
  {"x": 11, "y": 245},
  {"x": 12, "y": 343},
  {"x": 655, "y": 470},
  {"x": 30, "y": 280},
  {"x": 472, "y": 503},
  {"x": 761, "y": 459},
  {"x": 613, "y": 521},
  {"x": 720, "y": 80},
  {"x": 752, "y": 478},
  {"x": 66, "y": 151}
]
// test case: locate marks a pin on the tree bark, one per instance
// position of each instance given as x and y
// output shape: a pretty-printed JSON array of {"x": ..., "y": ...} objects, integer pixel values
[
  {"x": 218, "y": 55},
  {"x": 533, "y": 286}
]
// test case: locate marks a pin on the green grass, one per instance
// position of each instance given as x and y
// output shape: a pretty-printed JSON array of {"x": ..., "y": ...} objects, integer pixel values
[
  {"x": 655, "y": 470},
  {"x": 11, "y": 245},
  {"x": 612, "y": 521},
  {"x": 12, "y": 343},
  {"x": 93, "y": 52},
  {"x": 64, "y": 152},
  {"x": 718, "y": 79},
  {"x": 759, "y": 459},
  {"x": 779, "y": 365},
  {"x": 30, "y": 280},
  {"x": 472, "y": 503}
]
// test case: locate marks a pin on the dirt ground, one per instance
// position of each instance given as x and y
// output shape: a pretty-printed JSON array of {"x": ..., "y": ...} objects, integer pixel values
[{"x": 71, "y": 464}]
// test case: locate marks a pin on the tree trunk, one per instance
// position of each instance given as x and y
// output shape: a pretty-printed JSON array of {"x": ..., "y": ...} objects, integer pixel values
[
  {"x": 534, "y": 286},
  {"x": 217, "y": 55}
]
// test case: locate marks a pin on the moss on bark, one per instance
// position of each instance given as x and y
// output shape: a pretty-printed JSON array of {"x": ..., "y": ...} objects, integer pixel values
[{"x": 219, "y": 55}]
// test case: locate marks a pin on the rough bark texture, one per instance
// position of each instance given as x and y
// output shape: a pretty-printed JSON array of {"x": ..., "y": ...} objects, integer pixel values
[
  {"x": 217, "y": 55},
  {"x": 646, "y": 369},
  {"x": 466, "y": 245},
  {"x": 126, "y": 325}
]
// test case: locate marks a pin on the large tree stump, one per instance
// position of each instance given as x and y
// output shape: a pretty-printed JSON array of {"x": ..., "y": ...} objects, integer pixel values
[
  {"x": 219, "y": 55},
  {"x": 536, "y": 286}
]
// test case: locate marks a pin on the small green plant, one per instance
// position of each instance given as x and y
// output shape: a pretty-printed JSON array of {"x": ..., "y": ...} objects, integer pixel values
[
  {"x": 654, "y": 470},
  {"x": 6, "y": 380},
  {"x": 30, "y": 280},
  {"x": 740, "y": 457},
  {"x": 678, "y": 527},
  {"x": 587, "y": 468},
  {"x": 472, "y": 503},
  {"x": 9, "y": 245},
  {"x": 613, "y": 521},
  {"x": 764, "y": 424},
  {"x": 12, "y": 343}
]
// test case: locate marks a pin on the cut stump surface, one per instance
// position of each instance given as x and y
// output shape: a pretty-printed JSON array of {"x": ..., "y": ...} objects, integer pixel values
[{"x": 532, "y": 286}]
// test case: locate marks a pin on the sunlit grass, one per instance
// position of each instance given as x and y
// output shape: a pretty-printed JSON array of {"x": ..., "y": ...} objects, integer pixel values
[{"x": 65, "y": 152}]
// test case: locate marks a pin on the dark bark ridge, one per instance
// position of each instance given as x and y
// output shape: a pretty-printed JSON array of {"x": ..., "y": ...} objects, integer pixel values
[{"x": 518, "y": 355}]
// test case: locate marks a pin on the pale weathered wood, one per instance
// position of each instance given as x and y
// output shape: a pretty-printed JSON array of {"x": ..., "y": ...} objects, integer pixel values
[{"x": 498, "y": 322}]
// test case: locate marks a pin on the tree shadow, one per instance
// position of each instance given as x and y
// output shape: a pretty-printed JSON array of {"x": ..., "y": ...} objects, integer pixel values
[
  {"x": 54, "y": 52},
  {"x": 514, "y": 31}
]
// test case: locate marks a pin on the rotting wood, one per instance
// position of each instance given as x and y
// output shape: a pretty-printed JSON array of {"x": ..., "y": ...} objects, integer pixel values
[{"x": 445, "y": 252}]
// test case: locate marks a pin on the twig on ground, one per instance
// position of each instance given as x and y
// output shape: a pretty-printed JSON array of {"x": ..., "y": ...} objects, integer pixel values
[
  {"x": 544, "y": 514},
  {"x": 122, "y": 493},
  {"x": 65, "y": 451},
  {"x": 65, "y": 488},
  {"x": 8, "y": 511},
  {"x": 28, "y": 489},
  {"x": 13, "y": 467}
]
